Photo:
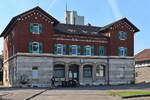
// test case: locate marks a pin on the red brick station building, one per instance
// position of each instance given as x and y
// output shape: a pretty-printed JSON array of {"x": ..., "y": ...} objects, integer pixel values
[{"x": 37, "y": 46}]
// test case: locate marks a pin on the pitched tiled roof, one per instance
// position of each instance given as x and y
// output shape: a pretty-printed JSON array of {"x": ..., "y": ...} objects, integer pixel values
[
  {"x": 66, "y": 28},
  {"x": 77, "y": 29},
  {"x": 143, "y": 55}
]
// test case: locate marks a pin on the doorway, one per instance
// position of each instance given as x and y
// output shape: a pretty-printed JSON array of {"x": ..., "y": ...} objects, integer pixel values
[{"x": 73, "y": 72}]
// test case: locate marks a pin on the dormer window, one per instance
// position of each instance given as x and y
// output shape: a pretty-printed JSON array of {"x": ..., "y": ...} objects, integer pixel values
[{"x": 35, "y": 28}]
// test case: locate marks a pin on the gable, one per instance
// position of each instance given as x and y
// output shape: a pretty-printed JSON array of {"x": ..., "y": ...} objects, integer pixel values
[
  {"x": 35, "y": 11},
  {"x": 121, "y": 23}
]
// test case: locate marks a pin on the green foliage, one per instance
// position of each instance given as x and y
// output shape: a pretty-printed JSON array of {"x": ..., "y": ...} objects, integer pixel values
[{"x": 129, "y": 93}]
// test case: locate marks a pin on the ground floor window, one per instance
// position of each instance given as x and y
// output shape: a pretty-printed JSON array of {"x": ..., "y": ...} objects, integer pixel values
[
  {"x": 87, "y": 71},
  {"x": 100, "y": 70},
  {"x": 35, "y": 72},
  {"x": 59, "y": 71}
]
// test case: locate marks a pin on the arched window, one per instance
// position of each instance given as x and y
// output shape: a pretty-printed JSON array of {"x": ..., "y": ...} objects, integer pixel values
[
  {"x": 59, "y": 71},
  {"x": 100, "y": 70}
]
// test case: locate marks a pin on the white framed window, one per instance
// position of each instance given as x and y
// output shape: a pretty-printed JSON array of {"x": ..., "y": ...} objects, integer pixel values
[
  {"x": 35, "y": 73},
  {"x": 88, "y": 51},
  {"x": 74, "y": 50},
  {"x": 122, "y": 35},
  {"x": 59, "y": 49},
  {"x": 35, "y": 47},
  {"x": 122, "y": 51},
  {"x": 36, "y": 28}
]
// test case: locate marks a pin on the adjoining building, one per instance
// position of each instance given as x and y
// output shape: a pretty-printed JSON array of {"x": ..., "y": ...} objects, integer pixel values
[
  {"x": 142, "y": 66},
  {"x": 1, "y": 70},
  {"x": 142, "y": 59},
  {"x": 37, "y": 46},
  {"x": 71, "y": 17}
]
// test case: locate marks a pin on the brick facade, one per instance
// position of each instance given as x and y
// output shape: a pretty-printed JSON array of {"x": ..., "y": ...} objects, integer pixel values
[{"x": 17, "y": 36}]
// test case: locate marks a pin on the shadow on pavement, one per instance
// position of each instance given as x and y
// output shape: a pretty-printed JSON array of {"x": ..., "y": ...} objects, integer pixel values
[{"x": 141, "y": 86}]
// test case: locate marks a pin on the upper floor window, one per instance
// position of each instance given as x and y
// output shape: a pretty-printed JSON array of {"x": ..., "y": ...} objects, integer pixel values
[
  {"x": 35, "y": 47},
  {"x": 122, "y": 51},
  {"x": 74, "y": 50},
  {"x": 35, "y": 28},
  {"x": 88, "y": 50},
  {"x": 101, "y": 51},
  {"x": 122, "y": 35},
  {"x": 59, "y": 49}
]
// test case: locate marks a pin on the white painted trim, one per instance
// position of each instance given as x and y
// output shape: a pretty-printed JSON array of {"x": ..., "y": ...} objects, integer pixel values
[{"x": 81, "y": 56}]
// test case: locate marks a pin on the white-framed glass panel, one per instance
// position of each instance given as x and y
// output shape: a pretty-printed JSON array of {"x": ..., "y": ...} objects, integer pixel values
[
  {"x": 59, "y": 49},
  {"x": 122, "y": 51},
  {"x": 59, "y": 71},
  {"x": 35, "y": 73},
  {"x": 100, "y": 70},
  {"x": 88, "y": 50},
  {"x": 74, "y": 50},
  {"x": 122, "y": 35},
  {"x": 36, "y": 28},
  {"x": 35, "y": 47}
]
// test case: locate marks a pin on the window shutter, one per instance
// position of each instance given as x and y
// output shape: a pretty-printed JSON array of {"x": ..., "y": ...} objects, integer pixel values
[
  {"x": 70, "y": 50},
  {"x": 119, "y": 35},
  {"x": 40, "y": 47},
  {"x": 31, "y": 27},
  {"x": 119, "y": 51},
  {"x": 92, "y": 50},
  {"x": 55, "y": 49},
  {"x": 79, "y": 49},
  {"x": 84, "y": 51},
  {"x": 30, "y": 47},
  {"x": 125, "y": 35},
  {"x": 126, "y": 51},
  {"x": 40, "y": 28},
  {"x": 64, "y": 49},
  {"x": 101, "y": 48}
]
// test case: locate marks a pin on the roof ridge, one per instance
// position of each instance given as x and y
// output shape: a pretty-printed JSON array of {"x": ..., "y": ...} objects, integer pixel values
[{"x": 80, "y": 25}]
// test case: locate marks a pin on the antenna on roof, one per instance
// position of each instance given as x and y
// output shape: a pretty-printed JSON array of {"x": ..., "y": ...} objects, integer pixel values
[{"x": 66, "y": 6}]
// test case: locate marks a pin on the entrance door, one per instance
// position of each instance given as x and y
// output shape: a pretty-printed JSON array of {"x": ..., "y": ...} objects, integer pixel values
[{"x": 73, "y": 72}]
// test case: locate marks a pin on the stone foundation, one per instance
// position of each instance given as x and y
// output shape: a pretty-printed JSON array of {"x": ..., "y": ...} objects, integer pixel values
[{"x": 118, "y": 70}]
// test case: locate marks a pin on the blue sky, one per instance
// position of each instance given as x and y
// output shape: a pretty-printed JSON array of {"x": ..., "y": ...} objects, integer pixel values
[{"x": 96, "y": 12}]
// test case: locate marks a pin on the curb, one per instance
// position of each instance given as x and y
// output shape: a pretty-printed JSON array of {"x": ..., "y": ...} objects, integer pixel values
[
  {"x": 35, "y": 95},
  {"x": 135, "y": 96}
]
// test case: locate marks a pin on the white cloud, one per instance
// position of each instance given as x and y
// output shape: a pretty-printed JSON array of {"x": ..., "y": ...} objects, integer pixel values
[
  {"x": 51, "y": 4},
  {"x": 115, "y": 9}
]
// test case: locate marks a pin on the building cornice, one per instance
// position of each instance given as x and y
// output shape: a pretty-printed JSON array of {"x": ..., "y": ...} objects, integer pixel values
[{"x": 67, "y": 56}]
